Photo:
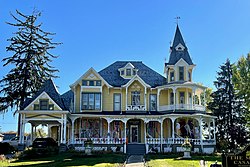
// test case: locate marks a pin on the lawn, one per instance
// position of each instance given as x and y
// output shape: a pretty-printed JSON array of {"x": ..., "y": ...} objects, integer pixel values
[
  {"x": 69, "y": 159},
  {"x": 176, "y": 161},
  {"x": 110, "y": 160}
]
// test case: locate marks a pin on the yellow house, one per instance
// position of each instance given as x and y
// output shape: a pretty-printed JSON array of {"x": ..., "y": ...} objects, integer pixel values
[{"x": 127, "y": 106}]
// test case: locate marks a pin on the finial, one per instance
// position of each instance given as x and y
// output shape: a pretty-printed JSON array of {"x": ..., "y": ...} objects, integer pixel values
[{"x": 177, "y": 18}]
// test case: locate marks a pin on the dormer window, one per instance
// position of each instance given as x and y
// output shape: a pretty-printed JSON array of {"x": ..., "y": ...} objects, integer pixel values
[
  {"x": 128, "y": 72},
  {"x": 91, "y": 83},
  {"x": 179, "y": 47}
]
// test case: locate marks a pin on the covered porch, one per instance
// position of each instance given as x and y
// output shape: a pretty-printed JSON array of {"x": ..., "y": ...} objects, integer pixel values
[{"x": 165, "y": 133}]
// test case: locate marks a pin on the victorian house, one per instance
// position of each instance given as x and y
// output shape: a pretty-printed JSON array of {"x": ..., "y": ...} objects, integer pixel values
[{"x": 129, "y": 107}]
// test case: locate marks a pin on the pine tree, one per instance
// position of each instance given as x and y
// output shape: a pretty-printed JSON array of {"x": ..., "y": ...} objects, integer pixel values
[
  {"x": 30, "y": 46},
  {"x": 241, "y": 80},
  {"x": 229, "y": 109}
]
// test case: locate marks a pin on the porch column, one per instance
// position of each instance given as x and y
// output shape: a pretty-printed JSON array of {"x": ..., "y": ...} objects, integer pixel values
[
  {"x": 201, "y": 141},
  {"x": 158, "y": 99},
  {"x": 193, "y": 100},
  {"x": 22, "y": 129},
  {"x": 161, "y": 122},
  {"x": 174, "y": 92},
  {"x": 64, "y": 128},
  {"x": 61, "y": 132},
  {"x": 72, "y": 130},
  {"x": 32, "y": 133},
  {"x": 145, "y": 131},
  {"x": 126, "y": 99},
  {"x": 109, "y": 121},
  {"x": 204, "y": 99},
  {"x": 125, "y": 136},
  {"x": 209, "y": 130},
  {"x": 173, "y": 119}
]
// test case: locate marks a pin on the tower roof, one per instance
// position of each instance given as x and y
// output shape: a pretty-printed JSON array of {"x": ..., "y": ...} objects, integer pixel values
[{"x": 179, "y": 49}]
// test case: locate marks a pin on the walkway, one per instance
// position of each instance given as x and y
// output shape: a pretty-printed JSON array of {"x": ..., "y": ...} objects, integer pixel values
[{"x": 135, "y": 161}]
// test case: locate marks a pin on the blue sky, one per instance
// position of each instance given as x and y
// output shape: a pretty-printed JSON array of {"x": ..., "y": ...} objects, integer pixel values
[{"x": 96, "y": 33}]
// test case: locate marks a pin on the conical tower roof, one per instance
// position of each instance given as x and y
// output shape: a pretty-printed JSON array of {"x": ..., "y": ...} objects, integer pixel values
[{"x": 179, "y": 49}]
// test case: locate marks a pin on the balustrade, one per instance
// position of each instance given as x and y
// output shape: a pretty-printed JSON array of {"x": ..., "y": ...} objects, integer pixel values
[
  {"x": 182, "y": 107},
  {"x": 135, "y": 108},
  {"x": 100, "y": 140}
]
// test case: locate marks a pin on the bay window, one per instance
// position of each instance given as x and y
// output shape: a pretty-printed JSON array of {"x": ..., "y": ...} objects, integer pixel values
[{"x": 91, "y": 101}]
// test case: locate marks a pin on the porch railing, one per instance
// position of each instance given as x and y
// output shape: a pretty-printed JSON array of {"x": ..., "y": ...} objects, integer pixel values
[
  {"x": 182, "y": 107},
  {"x": 179, "y": 141},
  {"x": 100, "y": 140},
  {"x": 135, "y": 108}
]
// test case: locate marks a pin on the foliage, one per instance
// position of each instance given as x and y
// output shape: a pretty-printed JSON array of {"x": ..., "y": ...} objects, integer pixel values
[
  {"x": 30, "y": 46},
  {"x": 241, "y": 80},
  {"x": 186, "y": 145},
  {"x": 229, "y": 110},
  {"x": 41, "y": 133}
]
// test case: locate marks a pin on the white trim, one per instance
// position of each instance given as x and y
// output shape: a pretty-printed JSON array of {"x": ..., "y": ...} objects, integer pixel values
[
  {"x": 43, "y": 112},
  {"x": 136, "y": 78},
  {"x": 42, "y": 94},
  {"x": 85, "y": 74}
]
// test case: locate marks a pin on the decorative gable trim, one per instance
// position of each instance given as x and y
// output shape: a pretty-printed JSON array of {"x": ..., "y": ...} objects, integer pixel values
[
  {"x": 136, "y": 78},
  {"x": 89, "y": 76},
  {"x": 43, "y": 95}
]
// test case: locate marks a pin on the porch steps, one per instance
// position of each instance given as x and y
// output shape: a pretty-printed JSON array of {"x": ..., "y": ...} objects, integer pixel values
[{"x": 136, "y": 149}]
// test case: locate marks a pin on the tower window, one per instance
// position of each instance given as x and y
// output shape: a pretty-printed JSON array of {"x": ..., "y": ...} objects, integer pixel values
[
  {"x": 171, "y": 76},
  {"x": 181, "y": 73}
]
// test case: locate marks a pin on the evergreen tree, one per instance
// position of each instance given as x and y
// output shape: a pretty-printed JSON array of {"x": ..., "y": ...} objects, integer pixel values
[
  {"x": 229, "y": 109},
  {"x": 241, "y": 80},
  {"x": 30, "y": 46}
]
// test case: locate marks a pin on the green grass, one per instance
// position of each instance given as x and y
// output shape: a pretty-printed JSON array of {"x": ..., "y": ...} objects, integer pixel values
[
  {"x": 69, "y": 159},
  {"x": 176, "y": 161},
  {"x": 110, "y": 160}
]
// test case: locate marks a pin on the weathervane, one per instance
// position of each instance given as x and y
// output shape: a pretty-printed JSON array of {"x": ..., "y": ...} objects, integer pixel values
[{"x": 177, "y": 18}]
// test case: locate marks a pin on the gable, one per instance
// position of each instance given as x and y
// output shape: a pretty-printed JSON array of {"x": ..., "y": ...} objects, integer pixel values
[
  {"x": 43, "y": 96},
  {"x": 90, "y": 76}
]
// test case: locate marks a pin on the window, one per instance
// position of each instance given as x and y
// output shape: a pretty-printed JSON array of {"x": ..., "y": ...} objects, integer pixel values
[
  {"x": 91, "y": 101},
  {"x": 44, "y": 104},
  {"x": 181, "y": 73},
  {"x": 172, "y": 98},
  {"x": 189, "y": 76},
  {"x": 171, "y": 76},
  {"x": 190, "y": 98},
  {"x": 117, "y": 102},
  {"x": 122, "y": 72},
  {"x": 128, "y": 72},
  {"x": 153, "y": 102},
  {"x": 36, "y": 107},
  {"x": 84, "y": 83},
  {"x": 51, "y": 107},
  {"x": 91, "y": 83},
  {"x": 182, "y": 97},
  {"x": 135, "y": 98},
  {"x": 98, "y": 83}
]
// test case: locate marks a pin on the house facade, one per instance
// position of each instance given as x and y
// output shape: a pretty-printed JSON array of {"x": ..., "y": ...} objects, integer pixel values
[{"x": 127, "y": 103}]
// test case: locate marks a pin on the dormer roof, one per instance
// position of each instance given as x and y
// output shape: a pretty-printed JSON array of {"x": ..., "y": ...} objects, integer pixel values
[
  {"x": 111, "y": 74},
  {"x": 179, "y": 50}
]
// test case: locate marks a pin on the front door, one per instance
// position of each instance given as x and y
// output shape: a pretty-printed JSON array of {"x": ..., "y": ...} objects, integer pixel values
[{"x": 134, "y": 133}]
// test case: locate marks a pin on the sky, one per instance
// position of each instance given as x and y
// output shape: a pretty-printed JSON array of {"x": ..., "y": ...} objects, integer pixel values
[{"x": 96, "y": 33}]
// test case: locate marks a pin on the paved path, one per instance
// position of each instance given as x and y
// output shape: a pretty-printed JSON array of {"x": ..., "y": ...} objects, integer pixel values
[{"x": 135, "y": 161}]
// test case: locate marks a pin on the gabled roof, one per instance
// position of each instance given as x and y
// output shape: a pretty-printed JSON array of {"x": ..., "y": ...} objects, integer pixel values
[
  {"x": 85, "y": 74},
  {"x": 175, "y": 55},
  {"x": 112, "y": 75},
  {"x": 50, "y": 88}
]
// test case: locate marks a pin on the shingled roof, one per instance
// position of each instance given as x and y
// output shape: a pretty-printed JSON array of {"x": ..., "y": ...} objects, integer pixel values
[
  {"x": 175, "y": 55},
  {"x": 149, "y": 76},
  {"x": 51, "y": 90}
]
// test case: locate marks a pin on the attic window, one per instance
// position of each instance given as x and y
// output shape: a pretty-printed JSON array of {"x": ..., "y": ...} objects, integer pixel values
[
  {"x": 122, "y": 72},
  {"x": 179, "y": 48},
  {"x": 128, "y": 72}
]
